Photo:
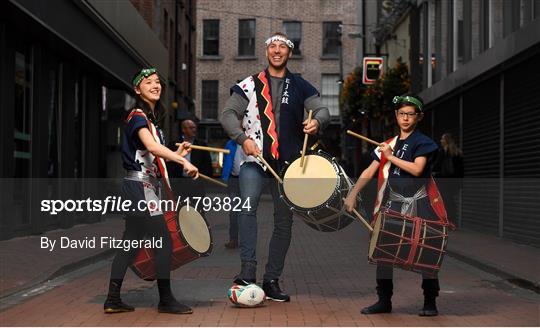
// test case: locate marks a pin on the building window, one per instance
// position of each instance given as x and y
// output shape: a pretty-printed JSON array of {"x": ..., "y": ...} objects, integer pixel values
[
  {"x": 294, "y": 32},
  {"x": 330, "y": 93},
  {"x": 246, "y": 37},
  {"x": 211, "y": 37},
  {"x": 331, "y": 39},
  {"x": 209, "y": 99}
]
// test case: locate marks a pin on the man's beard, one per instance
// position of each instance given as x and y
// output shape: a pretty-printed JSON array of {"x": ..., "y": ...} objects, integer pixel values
[{"x": 280, "y": 67}]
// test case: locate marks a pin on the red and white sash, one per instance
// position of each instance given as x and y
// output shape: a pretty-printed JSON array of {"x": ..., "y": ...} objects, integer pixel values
[{"x": 159, "y": 161}]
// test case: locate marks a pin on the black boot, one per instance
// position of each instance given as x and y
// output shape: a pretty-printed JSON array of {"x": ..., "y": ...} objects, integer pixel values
[
  {"x": 247, "y": 275},
  {"x": 384, "y": 304},
  {"x": 113, "y": 303},
  {"x": 167, "y": 302},
  {"x": 431, "y": 291},
  {"x": 430, "y": 308}
]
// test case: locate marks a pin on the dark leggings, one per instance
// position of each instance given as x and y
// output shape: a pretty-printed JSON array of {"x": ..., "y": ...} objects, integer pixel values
[
  {"x": 138, "y": 228},
  {"x": 385, "y": 285}
]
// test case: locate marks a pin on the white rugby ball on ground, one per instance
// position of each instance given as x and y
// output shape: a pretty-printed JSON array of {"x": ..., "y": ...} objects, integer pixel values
[{"x": 246, "y": 296}]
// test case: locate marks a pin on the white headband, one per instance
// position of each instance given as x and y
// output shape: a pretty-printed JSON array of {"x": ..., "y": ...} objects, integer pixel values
[{"x": 271, "y": 39}]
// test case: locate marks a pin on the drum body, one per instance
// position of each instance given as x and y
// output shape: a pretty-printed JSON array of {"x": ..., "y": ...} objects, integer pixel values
[
  {"x": 315, "y": 192},
  {"x": 410, "y": 243},
  {"x": 190, "y": 237}
]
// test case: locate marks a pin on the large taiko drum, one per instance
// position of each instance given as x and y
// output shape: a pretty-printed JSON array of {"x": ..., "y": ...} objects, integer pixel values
[
  {"x": 410, "y": 243},
  {"x": 191, "y": 239},
  {"x": 315, "y": 191}
]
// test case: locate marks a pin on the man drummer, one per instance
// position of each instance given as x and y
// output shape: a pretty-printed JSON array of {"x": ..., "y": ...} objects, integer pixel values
[
  {"x": 265, "y": 115},
  {"x": 405, "y": 160}
]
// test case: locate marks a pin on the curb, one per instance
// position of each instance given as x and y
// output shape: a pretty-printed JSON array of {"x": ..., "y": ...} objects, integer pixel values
[
  {"x": 509, "y": 277},
  {"x": 65, "y": 269}
]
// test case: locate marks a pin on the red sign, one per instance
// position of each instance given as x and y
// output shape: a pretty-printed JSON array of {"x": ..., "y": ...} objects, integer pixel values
[{"x": 372, "y": 69}]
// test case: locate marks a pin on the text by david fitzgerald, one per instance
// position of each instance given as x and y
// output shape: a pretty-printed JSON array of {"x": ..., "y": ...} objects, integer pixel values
[{"x": 102, "y": 242}]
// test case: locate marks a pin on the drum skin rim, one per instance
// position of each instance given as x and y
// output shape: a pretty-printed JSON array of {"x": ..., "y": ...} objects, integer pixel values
[
  {"x": 283, "y": 195},
  {"x": 179, "y": 232},
  {"x": 374, "y": 235}
]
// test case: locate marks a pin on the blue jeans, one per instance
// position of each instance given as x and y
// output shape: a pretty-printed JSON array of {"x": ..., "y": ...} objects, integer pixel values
[
  {"x": 252, "y": 180},
  {"x": 233, "y": 215}
]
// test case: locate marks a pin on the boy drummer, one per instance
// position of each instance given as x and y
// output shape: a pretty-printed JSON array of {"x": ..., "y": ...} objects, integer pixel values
[{"x": 403, "y": 167}]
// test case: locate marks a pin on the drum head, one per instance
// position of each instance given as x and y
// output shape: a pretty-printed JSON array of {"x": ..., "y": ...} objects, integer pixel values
[
  {"x": 312, "y": 185},
  {"x": 194, "y": 229},
  {"x": 375, "y": 235}
]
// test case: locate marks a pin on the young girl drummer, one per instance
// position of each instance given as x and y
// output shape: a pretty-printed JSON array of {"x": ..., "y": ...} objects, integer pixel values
[
  {"x": 143, "y": 154},
  {"x": 405, "y": 173}
]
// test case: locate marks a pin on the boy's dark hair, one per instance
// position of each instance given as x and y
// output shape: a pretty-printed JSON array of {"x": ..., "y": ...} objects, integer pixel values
[{"x": 409, "y": 99}]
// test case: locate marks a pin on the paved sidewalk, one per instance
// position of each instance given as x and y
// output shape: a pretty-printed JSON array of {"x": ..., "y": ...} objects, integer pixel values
[
  {"x": 326, "y": 274},
  {"x": 495, "y": 255},
  {"x": 500, "y": 256},
  {"x": 23, "y": 263}
]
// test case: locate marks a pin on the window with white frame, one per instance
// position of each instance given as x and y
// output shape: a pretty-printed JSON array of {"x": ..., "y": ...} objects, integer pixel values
[{"x": 330, "y": 92}]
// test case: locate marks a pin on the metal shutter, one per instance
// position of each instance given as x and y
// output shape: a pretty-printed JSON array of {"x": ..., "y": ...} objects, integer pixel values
[
  {"x": 522, "y": 152},
  {"x": 481, "y": 151},
  {"x": 447, "y": 120}
]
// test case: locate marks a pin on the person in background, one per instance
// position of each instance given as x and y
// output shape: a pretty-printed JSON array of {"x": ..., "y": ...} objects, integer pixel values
[
  {"x": 182, "y": 186},
  {"x": 448, "y": 170},
  {"x": 229, "y": 174}
]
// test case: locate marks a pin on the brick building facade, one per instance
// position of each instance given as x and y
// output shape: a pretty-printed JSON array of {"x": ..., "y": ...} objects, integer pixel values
[{"x": 227, "y": 52}]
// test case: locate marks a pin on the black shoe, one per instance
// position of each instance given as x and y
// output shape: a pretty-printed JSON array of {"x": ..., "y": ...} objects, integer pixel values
[
  {"x": 116, "y": 306},
  {"x": 247, "y": 275},
  {"x": 429, "y": 309},
  {"x": 273, "y": 292},
  {"x": 379, "y": 307},
  {"x": 174, "y": 307}
]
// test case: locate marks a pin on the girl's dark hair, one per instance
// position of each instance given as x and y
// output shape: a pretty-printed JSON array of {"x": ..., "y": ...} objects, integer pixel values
[
  {"x": 406, "y": 103},
  {"x": 154, "y": 116}
]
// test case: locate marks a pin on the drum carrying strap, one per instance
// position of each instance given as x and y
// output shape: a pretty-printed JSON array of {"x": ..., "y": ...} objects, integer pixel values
[
  {"x": 408, "y": 204},
  {"x": 159, "y": 161}
]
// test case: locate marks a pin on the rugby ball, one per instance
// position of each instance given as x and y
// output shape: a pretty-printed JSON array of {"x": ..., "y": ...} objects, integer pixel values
[{"x": 246, "y": 296}]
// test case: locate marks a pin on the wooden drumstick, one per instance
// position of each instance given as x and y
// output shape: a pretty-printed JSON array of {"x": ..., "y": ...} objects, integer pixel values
[
  {"x": 305, "y": 140},
  {"x": 260, "y": 158},
  {"x": 211, "y": 149},
  {"x": 209, "y": 179},
  {"x": 359, "y": 136},
  {"x": 364, "y": 221}
]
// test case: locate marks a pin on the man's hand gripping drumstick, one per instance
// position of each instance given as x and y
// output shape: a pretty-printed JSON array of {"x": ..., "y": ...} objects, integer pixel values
[
  {"x": 308, "y": 123},
  {"x": 251, "y": 149}
]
